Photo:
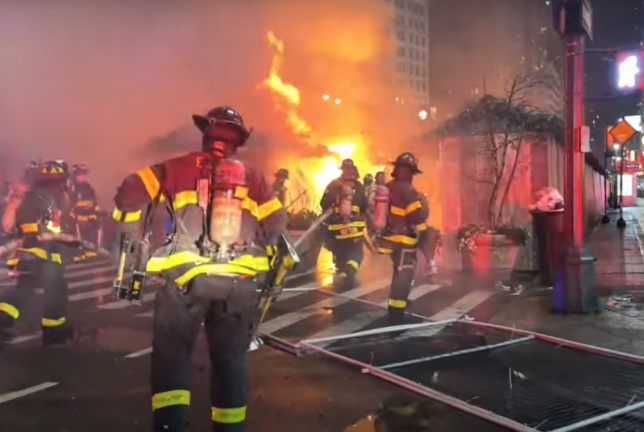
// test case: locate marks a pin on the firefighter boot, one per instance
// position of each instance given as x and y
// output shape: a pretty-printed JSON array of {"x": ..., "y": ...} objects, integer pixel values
[
  {"x": 56, "y": 336},
  {"x": 396, "y": 316}
]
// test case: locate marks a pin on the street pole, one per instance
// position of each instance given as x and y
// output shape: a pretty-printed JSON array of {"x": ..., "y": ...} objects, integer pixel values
[
  {"x": 575, "y": 292},
  {"x": 621, "y": 223}
]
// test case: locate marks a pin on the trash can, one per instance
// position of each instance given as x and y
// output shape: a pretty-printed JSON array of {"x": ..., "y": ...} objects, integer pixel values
[{"x": 549, "y": 242}]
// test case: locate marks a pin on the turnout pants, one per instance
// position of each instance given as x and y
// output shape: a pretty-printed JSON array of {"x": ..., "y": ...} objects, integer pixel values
[
  {"x": 347, "y": 255},
  {"x": 229, "y": 326},
  {"x": 404, "y": 265},
  {"x": 36, "y": 272}
]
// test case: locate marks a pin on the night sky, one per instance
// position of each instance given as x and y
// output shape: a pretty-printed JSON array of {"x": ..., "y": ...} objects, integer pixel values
[{"x": 617, "y": 23}]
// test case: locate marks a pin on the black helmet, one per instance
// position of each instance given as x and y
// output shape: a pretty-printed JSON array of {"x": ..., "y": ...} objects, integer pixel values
[
  {"x": 224, "y": 117},
  {"x": 54, "y": 171},
  {"x": 347, "y": 164},
  {"x": 282, "y": 174},
  {"x": 380, "y": 177},
  {"x": 80, "y": 169},
  {"x": 409, "y": 160}
]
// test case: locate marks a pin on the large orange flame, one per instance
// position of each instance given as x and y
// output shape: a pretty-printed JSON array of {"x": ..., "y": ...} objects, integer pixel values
[{"x": 310, "y": 176}]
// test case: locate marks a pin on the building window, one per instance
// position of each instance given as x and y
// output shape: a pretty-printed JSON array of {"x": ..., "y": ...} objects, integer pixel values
[
  {"x": 400, "y": 4},
  {"x": 401, "y": 36},
  {"x": 401, "y": 52},
  {"x": 423, "y": 42},
  {"x": 422, "y": 57}
]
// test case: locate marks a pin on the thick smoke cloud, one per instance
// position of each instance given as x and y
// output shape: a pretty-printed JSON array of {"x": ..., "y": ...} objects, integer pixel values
[{"x": 114, "y": 83}]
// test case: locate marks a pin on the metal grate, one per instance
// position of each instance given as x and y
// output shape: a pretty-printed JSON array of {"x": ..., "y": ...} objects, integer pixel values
[
  {"x": 535, "y": 383},
  {"x": 393, "y": 347},
  {"x": 632, "y": 422}
]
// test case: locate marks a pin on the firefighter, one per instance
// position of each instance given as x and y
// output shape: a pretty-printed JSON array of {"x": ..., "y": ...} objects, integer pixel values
[
  {"x": 345, "y": 227},
  {"x": 84, "y": 209},
  {"x": 226, "y": 225},
  {"x": 405, "y": 232},
  {"x": 367, "y": 181},
  {"x": 380, "y": 178},
  {"x": 40, "y": 264},
  {"x": 279, "y": 187}
]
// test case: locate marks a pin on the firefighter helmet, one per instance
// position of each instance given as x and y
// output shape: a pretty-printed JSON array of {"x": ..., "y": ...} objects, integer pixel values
[
  {"x": 409, "y": 160},
  {"x": 347, "y": 165},
  {"x": 368, "y": 179},
  {"x": 54, "y": 171},
  {"x": 80, "y": 169},
  {"x": 220, "y": 120},
  {"x": 282, "y": 174}
]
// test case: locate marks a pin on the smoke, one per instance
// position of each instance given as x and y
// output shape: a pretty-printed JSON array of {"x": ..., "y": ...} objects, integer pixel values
[{"x": 114, "y": 84}]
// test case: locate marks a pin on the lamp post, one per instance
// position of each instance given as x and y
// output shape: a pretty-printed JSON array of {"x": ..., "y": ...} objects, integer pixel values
[{"x": 574, "y": 289}]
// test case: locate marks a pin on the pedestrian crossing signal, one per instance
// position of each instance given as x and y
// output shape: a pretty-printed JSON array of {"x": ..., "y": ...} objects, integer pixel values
[{"x": 629, "y": 71}]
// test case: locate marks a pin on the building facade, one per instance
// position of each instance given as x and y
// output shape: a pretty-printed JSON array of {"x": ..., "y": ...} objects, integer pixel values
[
  {"x": 411, "y": 31},
  {"x": 478, "y": 47}
]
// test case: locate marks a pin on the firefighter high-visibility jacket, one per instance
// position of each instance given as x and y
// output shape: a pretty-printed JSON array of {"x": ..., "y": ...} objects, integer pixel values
[
  {"x": 406, "y": 222},
  {"x": 84, "y": 204},
  {"x": 40, "y": 211},
  {"x": 337, "y": 226},
  {"x": 279, "y": 191},
  {"x": 174, "y": 183}
]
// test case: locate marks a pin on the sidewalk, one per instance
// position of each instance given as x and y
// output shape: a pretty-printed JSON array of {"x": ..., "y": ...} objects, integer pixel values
[{"x": 619, "y": 271}]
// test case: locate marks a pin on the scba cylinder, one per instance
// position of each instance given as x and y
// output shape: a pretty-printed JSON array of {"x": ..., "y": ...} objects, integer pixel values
[{"x": 226, "y": 206}]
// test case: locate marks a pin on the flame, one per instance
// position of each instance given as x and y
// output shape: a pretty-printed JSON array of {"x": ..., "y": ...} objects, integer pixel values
[{"x": 310, "y": 176}]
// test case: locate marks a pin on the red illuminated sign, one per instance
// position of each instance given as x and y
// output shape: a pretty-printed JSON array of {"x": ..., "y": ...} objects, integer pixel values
[{"x": 629, "y": 68}]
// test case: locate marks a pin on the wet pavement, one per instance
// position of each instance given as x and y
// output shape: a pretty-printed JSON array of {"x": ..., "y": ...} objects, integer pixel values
[{"x": 99, "y": 382}]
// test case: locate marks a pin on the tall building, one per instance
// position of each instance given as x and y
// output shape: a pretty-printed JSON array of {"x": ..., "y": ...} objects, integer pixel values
[
  {"x": 479, "y": 46},
  {"x": 411, "y": 31}
]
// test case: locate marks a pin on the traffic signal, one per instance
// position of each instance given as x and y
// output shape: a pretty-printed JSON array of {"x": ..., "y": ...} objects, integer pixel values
[{"x": 629, "y": 73}]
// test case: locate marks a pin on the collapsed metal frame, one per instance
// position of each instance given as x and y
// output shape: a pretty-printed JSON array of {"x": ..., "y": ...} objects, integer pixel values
[{"x": 383, "y": 373}]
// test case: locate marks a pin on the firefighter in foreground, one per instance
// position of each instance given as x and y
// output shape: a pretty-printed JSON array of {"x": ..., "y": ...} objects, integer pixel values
[
  {"x": 84, "y": 208},
  {"x": 279, "y": 185},
  {"x": 226, "y": 225},
  {"x": 39, "y": 264},
  {"x": 404, "y": 233},
  {"x": 345, "y": 229}
]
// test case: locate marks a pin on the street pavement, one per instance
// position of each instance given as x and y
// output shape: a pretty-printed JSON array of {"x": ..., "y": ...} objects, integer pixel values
[{"x": 99, "y": 382}]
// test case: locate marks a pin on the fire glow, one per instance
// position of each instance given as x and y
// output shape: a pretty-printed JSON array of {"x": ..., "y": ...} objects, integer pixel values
[{"x": 310, "y": 176}]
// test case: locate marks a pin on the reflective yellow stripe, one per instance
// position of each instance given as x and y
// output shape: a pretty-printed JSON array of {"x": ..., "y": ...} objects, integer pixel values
[
  {"x": 353, "y": 264},
  {"x": 397, "y": 211},
  {"x": 384, "y": 250},
  {"x": 257, "y": 264},
  {"x": 241, "y": 192},
  {"x": 350, "y": 236},
  {"x": 46, "y": 322},
  {"x": 251, "y": 206},
  {"x": 220, "y": 269},
  {"x": 150, "y": 182},
  {"x": 421, "y": 227},
  {"x": 398, "y": 304},
  {"x": 401, "y": 239},
  {"x": 228, "y": 415},
  {"x": 30, "y": 227},
  {"x": 170, "y": 398},
  {"x": 10, "y": 310},
  {"x": 356, "y": 224},
  {"x": 84, "y": 203},
  {"x": 43, "y": 254},
  {"x": 268, "y": 208},
  {"x": 185, "y": 198},
  {"x": 413, "y": 207},
  {"x": 86, "y": 218},
  {"x": 120, "y": 216},
  {"x": 12, "y": 262}
]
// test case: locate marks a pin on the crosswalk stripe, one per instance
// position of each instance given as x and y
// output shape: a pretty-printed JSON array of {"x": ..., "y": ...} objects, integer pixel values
[
  {"x": 363, "y": 319},
  {"x": 291, "y": 318},
  {"x": 456, "y": 310}
]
